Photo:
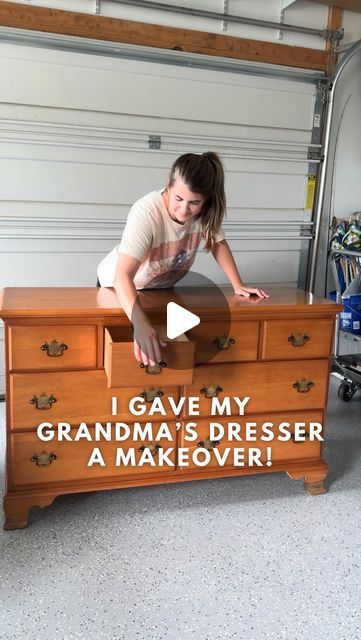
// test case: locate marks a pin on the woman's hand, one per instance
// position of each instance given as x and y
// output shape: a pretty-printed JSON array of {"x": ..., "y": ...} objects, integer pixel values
[
  {"x": 147, "y": 343},
  {"x": 246, "y": 292}
]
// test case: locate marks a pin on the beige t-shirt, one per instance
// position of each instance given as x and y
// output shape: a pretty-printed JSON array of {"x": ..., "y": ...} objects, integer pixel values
[{"x": 165, "y": 248}]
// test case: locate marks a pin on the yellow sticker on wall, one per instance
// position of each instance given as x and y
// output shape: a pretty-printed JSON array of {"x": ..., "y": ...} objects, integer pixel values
[{"x": 310, "y": 192}]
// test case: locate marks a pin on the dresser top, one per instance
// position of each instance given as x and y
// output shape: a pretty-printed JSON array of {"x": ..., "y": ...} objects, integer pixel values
[{"x": 28, "y": 302}]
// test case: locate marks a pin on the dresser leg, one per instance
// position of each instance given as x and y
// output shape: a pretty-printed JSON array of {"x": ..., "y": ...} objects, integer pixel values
[
  {"x": 17, "y": 509},
  {"x": 315, "y": 488},
  {"x": 314, "y": 478}
]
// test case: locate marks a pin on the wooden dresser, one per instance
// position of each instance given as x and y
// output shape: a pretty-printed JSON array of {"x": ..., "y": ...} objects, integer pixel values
[{"x": 69, "y": 358}]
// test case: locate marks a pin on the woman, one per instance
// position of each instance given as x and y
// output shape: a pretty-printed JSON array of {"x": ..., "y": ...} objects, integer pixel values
[{"x": 161, "y": 238}]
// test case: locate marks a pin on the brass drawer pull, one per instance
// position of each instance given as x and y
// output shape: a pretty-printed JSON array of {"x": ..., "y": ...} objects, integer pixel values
[
  {"x": 153, "y": 448},
  {"x": 43, "y": 459},
  {"x": 153, "y": 369},
  {"x": 307, "y": 435},
  {"x": 303, "y": 386},
  {"x": 208, "y": 444},
  {"x": 43, "y": 401},
  {"x": 224, "y": 342},
  {"x": 150, "y": 394},
  {"x": 54, "y": 349},
  {"x": 298, "y": 340},
  {"x": 211, "y": 391}
]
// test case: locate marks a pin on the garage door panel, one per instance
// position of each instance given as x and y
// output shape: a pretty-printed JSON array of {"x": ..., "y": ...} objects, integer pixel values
[
  {"x": 75, "y": 158},
  {"x": 85, "y": 183},
  {"x": 124, "y": 89}
]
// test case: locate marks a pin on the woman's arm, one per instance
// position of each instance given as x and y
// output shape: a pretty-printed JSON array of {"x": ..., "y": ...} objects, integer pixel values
[
  {"x": 224, "y": 258},
  {"x": 146, "y": 341}
]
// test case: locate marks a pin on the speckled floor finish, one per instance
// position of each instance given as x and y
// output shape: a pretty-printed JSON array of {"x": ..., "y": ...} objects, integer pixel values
[{"x": 246, "y": 558}]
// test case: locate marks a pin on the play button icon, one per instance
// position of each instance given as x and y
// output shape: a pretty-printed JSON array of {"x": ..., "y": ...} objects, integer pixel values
[
  {"x": 179, "y": 320},
  {"x": 194, "y": 306}
]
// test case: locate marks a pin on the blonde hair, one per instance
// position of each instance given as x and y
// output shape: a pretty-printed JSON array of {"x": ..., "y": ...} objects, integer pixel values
[{"x": 204, "y": 174}]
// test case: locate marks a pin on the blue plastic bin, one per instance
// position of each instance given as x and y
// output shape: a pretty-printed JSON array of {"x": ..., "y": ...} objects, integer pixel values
[{"x": 350, "y": 317}]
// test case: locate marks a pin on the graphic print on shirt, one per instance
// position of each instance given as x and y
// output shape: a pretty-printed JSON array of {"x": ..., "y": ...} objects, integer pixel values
[{"x": 168, "y": 263}]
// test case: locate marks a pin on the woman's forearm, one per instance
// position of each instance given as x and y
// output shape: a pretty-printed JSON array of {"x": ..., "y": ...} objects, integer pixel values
[
  {"x": 147, "y": 344},
  {"x": 128, "y": 298},
  {"x": 224, "y": 258},
  {"x": 125, "y": 288}
]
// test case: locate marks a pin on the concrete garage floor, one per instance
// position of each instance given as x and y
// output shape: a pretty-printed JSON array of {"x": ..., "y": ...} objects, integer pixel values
[{"x": 247, "y": 558}]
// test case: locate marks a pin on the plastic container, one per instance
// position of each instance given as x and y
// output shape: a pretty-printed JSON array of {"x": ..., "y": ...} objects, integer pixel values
[{"x": 350, "y": 317}]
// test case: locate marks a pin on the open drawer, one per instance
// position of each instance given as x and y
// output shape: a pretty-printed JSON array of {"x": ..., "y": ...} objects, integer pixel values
[{"x": 123, "y": 370}]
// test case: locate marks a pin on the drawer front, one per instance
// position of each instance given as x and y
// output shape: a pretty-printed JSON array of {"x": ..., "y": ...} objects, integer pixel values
[
  {"x": 34, "y": 462},
  {"x": 74, "y": 397},
  {"x": 122, "y": 369},
  {"x": 271, "y": 386},
  {"x": 281, "y": 451},
  {"x": 52, "y": 347},
  {"x": 302, "y": 339},
  {"x": 241, "y": 343}
]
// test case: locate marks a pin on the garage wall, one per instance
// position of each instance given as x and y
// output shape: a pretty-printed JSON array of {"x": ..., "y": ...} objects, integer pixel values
[
  {"x": 74, "y": 151},
  {"x": 74, "y": 156},
  {"x": 301, "y": 12},
  {"x": 73, "y": 159}
]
